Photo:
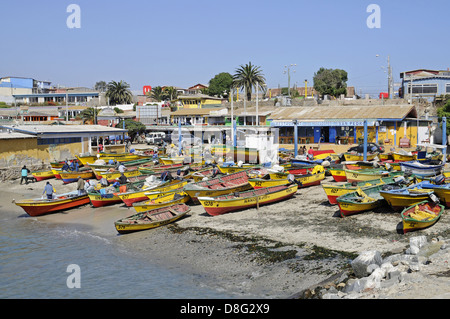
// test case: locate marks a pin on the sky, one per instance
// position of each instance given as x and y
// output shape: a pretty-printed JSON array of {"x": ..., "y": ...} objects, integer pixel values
[{"x": 182, "y": 43}]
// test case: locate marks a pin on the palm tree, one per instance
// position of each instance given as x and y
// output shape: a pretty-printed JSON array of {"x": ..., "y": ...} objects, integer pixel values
[
  {"x": 119, "y": 93},
  {"x": 248, "y": 76},
  {"x": 157, "y": 93},
  {"x": 170, "y": 93},
  {"x": 89, "y": 115}
]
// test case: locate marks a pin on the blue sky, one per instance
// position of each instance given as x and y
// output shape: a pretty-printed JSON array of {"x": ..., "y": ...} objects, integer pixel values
[{"x": 183, "y": 43}]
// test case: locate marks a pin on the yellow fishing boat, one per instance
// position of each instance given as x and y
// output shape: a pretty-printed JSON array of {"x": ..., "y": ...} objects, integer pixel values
[
  {"x": 111, "y": 176},
  {"x": 253, "y": 198},
  {"x": 235, "y": 168},
  {"x": 131, "y": 197},
  {"x": 399, "y": 157},
  {"x": 385, "y": 157},
  {"x": 400, "y": 198},
  {"x": 41, "y": 175},
  {"x": 421, "y": 215},
  {"x": 151, "y": 219},
  {"x": 304, "y": 180},
  {"x": 358, "y": 157},
  {"x": 172, "y": 160},
  {"x": 338, "y": 174},
  {"x": 165, "y": 199},
  {"x": 120, "y": 157},
  {"x": 362, "y": 175},
  {"x": 334, "y": 190},
  {"x": 69, "y": 177}
]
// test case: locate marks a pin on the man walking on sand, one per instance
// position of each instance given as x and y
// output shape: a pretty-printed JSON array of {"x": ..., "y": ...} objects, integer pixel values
[{"x": 48, "y": 189}]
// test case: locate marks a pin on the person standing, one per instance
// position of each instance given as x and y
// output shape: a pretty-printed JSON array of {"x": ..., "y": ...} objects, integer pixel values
[
  {"x": 24, "y": 173},
  {"x": 48, "y": 190},
  {"x": 80, "y": 186}
]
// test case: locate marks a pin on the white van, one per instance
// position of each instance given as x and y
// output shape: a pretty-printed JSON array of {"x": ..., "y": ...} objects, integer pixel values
[{"x": 155, "y": 138}]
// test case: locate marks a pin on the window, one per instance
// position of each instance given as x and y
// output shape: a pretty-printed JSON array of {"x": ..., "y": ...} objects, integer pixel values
[
  {"x": 67, "y": 140},
  {"x": 447, "y": 88},
  {"x": 424, "y": 89}
]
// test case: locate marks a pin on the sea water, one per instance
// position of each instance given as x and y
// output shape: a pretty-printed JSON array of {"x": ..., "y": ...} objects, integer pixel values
[{"x": 35, "y": 259}]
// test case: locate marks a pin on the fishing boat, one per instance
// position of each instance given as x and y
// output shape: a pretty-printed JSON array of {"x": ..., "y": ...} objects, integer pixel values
[
  {"x": 121, "y": 157},
  {"x": 338, "y": 174},
  {"x": 355, "y": 165},
  {"x": 151, "y": 219},
  {"x": 41, "y": 206},
  {"x": 164, "y": 199},
  {"x": 421, "y": 215},
  {"x": 303, "y": 180},
  {"x": 172, "y": 160},
  {"x": 69, "y": 177},
  {"x": 101, "y": 197},
  {"x": 360, "y": 200},
  {"x": 333, "y": 190},
  {"x": 402, "y": 157},
  {"x": 420, "y": 169},
  {"x": 359, "y": 157},
  {"x": 132, "y": 196},
  {"x": 386, "y": 157},
  {"x": 368, "y": 174},
  {"x": 112, "y": 176},
  {"x": 230, "y": 169},
  {"x": 442, "y": 191},
  {"x": 254, "y": 198},
  {"x": 245, "y": 154},
  {"x": 235, "y": 182},
  {"x": 42, "y": 175},
  {"x": 401, "y": 198}
]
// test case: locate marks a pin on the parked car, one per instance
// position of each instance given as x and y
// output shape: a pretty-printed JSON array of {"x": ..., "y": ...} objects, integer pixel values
[
  {"x": 155, "y": 138},
  {"x": 371, "y": 147},
  {"x": 186, "y": 139}
]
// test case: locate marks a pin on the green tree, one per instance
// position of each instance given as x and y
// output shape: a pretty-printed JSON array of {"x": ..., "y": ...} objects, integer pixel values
[
  {"x": 119, "y": 93},
  {"x": 330, "y": 81},
  {"x": 89, "y": 115},
  {"x": 220, "y": 85},
  {"x": 157, "y": 93},
  {"x": 118, "y": 110},
  {"x": 134, "y": 127},
  {"x": 248, "y": 76},
  {"x": 170, "y": 93},
  {"x": 101, "y": 86}
]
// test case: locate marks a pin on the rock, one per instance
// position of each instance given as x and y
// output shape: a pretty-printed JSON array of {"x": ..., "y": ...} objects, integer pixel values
[
  {"x": 360, "y": 263},
  {"x": 415, "y": 243},
  {"x": 371, "y": 268},
  {"x": 330, "y": 296},
  {"x": 355, "y": 285},
  {"x": 374, "y": 280}
]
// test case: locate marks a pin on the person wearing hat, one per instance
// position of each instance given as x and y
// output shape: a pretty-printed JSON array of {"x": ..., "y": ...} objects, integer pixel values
[{"x": 24, "y": 173}]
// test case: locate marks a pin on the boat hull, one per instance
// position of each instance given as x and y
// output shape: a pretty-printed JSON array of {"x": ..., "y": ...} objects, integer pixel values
[
  {"x": 399, "y": 201},
  {"x": 43, "y": 175},
  {"x": 338, "y": 174},
  {"x": 162, "y": 201},
  {"x": 158, "y": 217},
  {"x": 133, "y": 197},
  {"x": 70, "y": 177},
  {"x": 410, "y": 223},
  {"x": 40, "y": 207},
  {"x": 214, "y": 207},
  {"x": 358, "y": 158},
  {"x": 100, "y": 200}
]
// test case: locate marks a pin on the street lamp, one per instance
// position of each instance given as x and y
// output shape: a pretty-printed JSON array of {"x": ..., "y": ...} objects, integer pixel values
[
  {"x": 289, "y": 76},
  {"x": 390, "y": 78}
]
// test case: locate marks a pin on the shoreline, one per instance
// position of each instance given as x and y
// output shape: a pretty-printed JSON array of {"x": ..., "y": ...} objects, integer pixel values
[{"x": 274, "y": 252}]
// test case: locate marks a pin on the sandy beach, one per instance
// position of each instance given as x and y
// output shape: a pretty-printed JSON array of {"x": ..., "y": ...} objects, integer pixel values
[{"x": 275, "y": 251}]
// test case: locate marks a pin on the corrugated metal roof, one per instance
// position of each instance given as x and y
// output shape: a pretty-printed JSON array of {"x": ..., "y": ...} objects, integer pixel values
[
  {"x": 196, "y": 111},
  {"x": 394, "y": 112}
]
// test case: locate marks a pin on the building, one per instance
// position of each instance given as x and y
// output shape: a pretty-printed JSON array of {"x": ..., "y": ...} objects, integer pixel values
[
  {"x": 386, "y": 124},
  {"x": 45, "y": 143},
  {"x": 196, "y": 89},
  {"x": 199, "y": 116},
  {"x": 195, "y": 101},
  {"x": 74, "y": 98},
  {"x": 426, "y": 84}
]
